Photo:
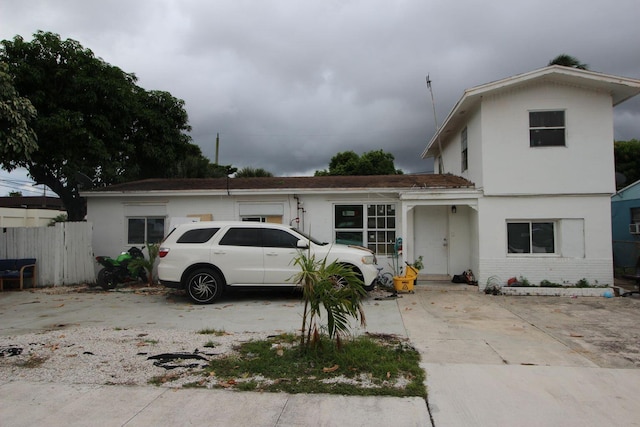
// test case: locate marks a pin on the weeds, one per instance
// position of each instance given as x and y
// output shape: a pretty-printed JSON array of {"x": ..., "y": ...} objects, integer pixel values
[{"x": 216, "y": 332}]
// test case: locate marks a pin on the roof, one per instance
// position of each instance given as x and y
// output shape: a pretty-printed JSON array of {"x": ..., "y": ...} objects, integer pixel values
[
  {"x": 32, "y": 202},
  {"x": 280, "y": 184},
  {"x": 620, "y": 88}
]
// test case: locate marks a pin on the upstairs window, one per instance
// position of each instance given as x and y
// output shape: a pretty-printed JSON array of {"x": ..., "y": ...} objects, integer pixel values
[
  {"x": 463, "y": 140},
  {"x": 546, "y": 129}
]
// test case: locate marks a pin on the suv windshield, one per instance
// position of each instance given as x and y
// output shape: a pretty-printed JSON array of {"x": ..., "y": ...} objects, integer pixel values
[{"x": 315, "y": 241}]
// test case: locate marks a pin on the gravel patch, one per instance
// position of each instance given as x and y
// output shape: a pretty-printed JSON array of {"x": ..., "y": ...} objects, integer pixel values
[{"x": 114, "y": 356}]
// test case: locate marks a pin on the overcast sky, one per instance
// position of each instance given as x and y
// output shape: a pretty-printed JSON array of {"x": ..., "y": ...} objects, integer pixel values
[{"x": 288, "y": 84}]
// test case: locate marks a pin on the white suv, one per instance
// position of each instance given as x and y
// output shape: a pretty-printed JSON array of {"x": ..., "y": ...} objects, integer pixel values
[{"x": 204, "y": 257}]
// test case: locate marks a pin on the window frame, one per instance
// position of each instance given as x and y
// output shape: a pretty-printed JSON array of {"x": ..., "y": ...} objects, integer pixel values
[
  {"x": 375, "y": 230},
  {"x": 531, "y": 238},
  {"x": 539, "y": 129},
  {"x": 146, "y": 220}
]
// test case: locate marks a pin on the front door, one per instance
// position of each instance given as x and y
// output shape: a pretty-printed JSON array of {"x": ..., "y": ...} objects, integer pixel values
[{"x": 431, "y": 238}]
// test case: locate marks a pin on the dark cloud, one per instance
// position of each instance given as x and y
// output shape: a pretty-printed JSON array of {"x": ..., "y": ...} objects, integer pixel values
[{"x": 289, "y": 84}]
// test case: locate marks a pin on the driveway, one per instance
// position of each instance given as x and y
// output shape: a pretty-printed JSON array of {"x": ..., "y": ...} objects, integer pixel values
[
  {"x": 526, "y": 361},
  {"x": 490, "y": 360}
]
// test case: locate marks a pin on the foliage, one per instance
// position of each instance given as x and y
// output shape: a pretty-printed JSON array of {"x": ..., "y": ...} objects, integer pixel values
[
  {"x": 583, "y": 283},
  {"x": 147, "y": 264},
  {"x": 418, "y": 264},
  {"x": 249, "y": 172},
  {"x": 17, "y": 138},
  {"x": 15, "y": 193},
  {"x": 627, "y": 160},
  {"x": 387, "y": 364},
  {"x": 92, "y": 119},
  {"x": 548, "y": 284},
  {"x": 568, "y": 61},
  {"x": 58, "y": 218},
  {"x": 375, "y": 162},
  {"x": 330, "y": 286}
]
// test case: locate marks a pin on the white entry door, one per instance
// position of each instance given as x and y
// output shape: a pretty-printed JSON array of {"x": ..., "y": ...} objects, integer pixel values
[{"x": 431, "y": 238}]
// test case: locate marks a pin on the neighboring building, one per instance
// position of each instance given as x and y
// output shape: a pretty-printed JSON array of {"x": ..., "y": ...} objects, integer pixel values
[
  {"x": 625, "y": 225},
  {"x": 22, "y": 211},
  {"x": 539, "y": 148},
  {"x": 530, "y": 172}
]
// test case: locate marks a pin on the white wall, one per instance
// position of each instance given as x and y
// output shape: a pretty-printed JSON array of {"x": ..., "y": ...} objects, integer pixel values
[
  {"x": 583, "y": 239},
  {"x": 18, "y": 217},
  {"x": 584, "y": 165}
]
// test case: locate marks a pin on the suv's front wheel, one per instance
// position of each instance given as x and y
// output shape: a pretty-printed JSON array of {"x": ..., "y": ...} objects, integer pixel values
[{"x": 204, "y": 286}]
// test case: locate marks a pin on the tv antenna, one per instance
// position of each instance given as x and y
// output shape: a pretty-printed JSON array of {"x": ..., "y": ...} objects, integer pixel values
[{"x": 435, "y": 119}]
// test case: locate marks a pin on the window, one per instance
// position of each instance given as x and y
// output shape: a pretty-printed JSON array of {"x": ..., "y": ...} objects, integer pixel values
[
  {"x": 463, "y": 140},
  {"x": 378, "y": 233},
  {"x": 199, "y": 235},
  {"x": 141, "y": 231},
  {"x": 546, "y": 128},
  {"x": 241, "y": 237},
  {"x": 254, "y": 219},
  {"x": 526, "y": 237},
  {"x": 635, "y": 215},
  {"x": 273, "y": 238}
]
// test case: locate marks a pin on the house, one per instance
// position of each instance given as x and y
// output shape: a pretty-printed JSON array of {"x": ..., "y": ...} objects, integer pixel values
[
  {"x": 524, "y": 177},
  {"x": 625, "y": 225},
  {"x": 539, "y": 149},
  {"x": 363, "y": 210},
  {"x": 29, "y": 211}
]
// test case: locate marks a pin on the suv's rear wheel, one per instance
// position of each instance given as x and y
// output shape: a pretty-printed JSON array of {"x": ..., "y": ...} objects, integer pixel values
[{"x": 204, "y": 286}]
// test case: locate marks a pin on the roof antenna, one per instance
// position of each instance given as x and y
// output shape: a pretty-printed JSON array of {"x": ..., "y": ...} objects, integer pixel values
[{"x": 435, "y": 119}]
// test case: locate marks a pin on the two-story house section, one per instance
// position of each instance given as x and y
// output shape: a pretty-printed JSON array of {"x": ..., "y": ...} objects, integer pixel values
[{"x": 539, "y": 148}]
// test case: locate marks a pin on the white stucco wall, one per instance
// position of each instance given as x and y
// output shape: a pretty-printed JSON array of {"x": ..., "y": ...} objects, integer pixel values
[
  {"x": 582, "y": 239},
  {"x": 584, "y": 165}
]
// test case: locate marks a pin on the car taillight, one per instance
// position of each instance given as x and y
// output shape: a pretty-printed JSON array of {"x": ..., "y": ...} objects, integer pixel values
[{"x": 162, "y": 252}]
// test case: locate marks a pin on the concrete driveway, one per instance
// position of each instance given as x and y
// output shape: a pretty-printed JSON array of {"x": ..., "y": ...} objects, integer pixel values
[{"x": 490, "y": 360}]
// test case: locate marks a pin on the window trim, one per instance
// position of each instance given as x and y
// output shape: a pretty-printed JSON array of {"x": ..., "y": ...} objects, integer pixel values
[
  {"x": 530, "y": 222},
  {"x": 365, "y": 230},
  {"x": 552, "y": 128}
]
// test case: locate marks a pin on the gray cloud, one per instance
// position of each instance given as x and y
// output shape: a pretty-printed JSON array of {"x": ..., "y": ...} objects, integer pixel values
[{"x": 289, "y": 84}]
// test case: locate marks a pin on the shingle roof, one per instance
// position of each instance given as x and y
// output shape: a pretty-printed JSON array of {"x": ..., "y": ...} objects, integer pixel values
[{"x": 424, "y": 181}]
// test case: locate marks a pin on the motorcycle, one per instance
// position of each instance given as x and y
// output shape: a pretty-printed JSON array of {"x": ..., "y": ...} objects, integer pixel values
[{"x": 119, "y": 269}]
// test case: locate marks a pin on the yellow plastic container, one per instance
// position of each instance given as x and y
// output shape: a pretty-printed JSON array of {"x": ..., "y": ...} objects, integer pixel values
[{"x": 405, "y": 283}]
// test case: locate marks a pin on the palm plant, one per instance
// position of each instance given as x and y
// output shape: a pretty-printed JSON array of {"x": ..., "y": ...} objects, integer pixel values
[
  {"x": 568, "y": 61},
  {"x": 147, "y": 264},
  {"x": 330, "y": 286}
]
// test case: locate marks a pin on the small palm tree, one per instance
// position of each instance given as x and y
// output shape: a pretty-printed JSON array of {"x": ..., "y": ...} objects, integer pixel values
[
  {"x": 330, "y": 286},
  {"x": 568, "y": 61},
  {"x": 147, "y": 264}
]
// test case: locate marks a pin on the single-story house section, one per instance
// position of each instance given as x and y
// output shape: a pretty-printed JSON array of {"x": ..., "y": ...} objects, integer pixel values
[
  {"x": 372, "y": 211},
  {"x": 539, "y": 148},
  {"x": 625, "y": 225}
]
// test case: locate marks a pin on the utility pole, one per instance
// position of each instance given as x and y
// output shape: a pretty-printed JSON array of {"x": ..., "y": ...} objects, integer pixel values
[
  {"x": 217, "y": 146},
  {"x": 435, "y": 119}
]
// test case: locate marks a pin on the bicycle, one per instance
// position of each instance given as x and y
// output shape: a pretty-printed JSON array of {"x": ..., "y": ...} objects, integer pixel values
[{"x": 384, "y": 280}]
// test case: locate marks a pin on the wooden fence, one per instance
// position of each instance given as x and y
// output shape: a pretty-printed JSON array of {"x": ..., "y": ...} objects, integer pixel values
[{"x": 63, "y": 252}]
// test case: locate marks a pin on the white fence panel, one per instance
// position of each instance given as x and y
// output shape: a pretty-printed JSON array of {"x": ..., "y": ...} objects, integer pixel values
[{"x": 64, "y": 254}]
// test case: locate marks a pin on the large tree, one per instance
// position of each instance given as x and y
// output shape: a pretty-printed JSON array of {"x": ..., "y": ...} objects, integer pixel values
[
  {"x": 93, "y": 119},
  {"x": 17, "y": 138},
  {"x": 376, "y": 162}
]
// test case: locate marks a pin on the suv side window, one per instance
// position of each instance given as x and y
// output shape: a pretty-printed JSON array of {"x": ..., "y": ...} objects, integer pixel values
[
  {"x": 240, "y": 236},
  {"x": 273, "y": 238},
  {"x": 199, "y": 235}
]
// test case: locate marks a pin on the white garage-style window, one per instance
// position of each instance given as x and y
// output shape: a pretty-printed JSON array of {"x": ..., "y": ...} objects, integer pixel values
[
  {"x": 143, "y": 230},
  {"x": 371, "y": 225},
  {"x": 531, "y": 237}
]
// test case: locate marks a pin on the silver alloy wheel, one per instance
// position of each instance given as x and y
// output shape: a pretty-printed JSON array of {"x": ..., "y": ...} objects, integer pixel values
[{"x": 204, "y": 286}]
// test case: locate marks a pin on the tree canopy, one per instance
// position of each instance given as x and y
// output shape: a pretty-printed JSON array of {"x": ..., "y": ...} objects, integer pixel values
[
  {"x": 627, "y": 160},
  {"x": 93, "y": 119},
  {"x": 249, "y": 172},
  {"x": 568, "y": 61},
  {"x": 17, "y": 138},
  {"x": 375, "y": 162}
]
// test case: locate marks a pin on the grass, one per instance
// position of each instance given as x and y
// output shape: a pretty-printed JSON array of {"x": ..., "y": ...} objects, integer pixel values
[
  {"x": 216, "y": 332},
  {"x": 366, "y": 365}
]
